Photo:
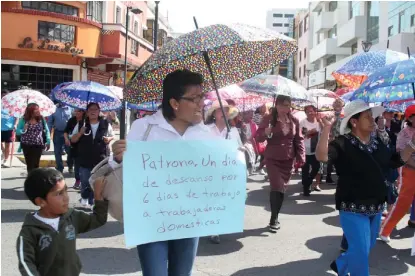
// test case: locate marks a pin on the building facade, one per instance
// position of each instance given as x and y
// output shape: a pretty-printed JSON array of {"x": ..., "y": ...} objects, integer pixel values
[
  {"x": 282, "y": 21},
  {"x": 340, "y": 27},
  {"x": 302, "y": 29},
  {"x": 47, "y": 43}
]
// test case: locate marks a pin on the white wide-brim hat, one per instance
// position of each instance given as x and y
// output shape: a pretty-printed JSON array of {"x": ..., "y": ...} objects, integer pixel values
[
  {"x": 216, "y": 105},
  {"x": 355, "y": 107}
]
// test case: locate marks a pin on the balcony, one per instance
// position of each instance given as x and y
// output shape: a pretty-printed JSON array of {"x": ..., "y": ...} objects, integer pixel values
[
  {"x": 350, "y": 32},
  {"x": 315, "y": 6},
  {"x": 326, "y": 48},
  {"x": 324, "y": 22}
]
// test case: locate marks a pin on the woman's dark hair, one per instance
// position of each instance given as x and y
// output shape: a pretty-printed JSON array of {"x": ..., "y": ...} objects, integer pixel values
[
  {"x": 28, "y": 114},
  {"x": 279, "y": 100},
  {"x": 92, "y": 104},
  {"x": 409, "y": 123},
  {"x": 175, "y": 85},
  {"x": 40, "y": 182},
  {"x": 355, "y": 116},
  {"x": 308, "y": 106}
]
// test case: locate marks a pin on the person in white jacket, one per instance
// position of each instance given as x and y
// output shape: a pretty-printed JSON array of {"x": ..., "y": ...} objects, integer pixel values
[{"x": 180, "y": 118}]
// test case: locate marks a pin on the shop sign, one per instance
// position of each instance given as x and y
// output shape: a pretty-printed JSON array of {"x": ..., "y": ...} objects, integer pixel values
[{"x": 46, "y": 45}]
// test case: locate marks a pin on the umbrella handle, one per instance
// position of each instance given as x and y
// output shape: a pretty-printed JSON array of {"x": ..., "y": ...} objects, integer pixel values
[
  {"x": 209, "y": 67},
  {"x": 87, "y": 134}
]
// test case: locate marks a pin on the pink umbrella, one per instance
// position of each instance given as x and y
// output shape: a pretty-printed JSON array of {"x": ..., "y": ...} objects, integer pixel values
[
  {"x": 324, "y": 100},
  {"x": 228, "y": 92}
]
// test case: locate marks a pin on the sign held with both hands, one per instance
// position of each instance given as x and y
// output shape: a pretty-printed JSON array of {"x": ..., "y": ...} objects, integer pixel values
[{"x": 182, "y": 189}]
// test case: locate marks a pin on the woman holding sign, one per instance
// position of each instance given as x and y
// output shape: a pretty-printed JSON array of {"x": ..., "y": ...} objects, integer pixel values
[
  {"x": 285, "y": 147},
  {"x": 180, "y": 117}
]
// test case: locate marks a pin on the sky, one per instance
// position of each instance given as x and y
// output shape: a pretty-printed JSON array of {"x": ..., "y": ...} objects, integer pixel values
[{"x": 181, "y": 12}]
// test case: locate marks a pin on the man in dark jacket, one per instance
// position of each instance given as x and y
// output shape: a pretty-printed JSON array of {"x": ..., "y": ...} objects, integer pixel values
[{"x": 93, "y": 139}]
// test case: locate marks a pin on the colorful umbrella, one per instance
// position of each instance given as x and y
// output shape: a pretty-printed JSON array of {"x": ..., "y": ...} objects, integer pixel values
[
  {"x": 399, "y": 106},
  {"x": 323, "y": 99},
  {"x": 57, "y": 87},
  {"x": 274, "y": 85},
  {"x": 356, "y": 70},
  {"x": 344, "y": 90},
  {"x": 17, "y": 101},
  {"x": 346, "y": 97},
  {"x": 236, "y": 53},
  {"x": 393, "y": 82},
  {"x": 78, "y": 94}
]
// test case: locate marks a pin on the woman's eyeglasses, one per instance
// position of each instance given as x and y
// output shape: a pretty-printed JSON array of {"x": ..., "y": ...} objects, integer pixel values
[{"x": 196, "y": 99}]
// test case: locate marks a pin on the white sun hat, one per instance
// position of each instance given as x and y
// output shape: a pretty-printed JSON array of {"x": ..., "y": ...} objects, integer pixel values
[
  {"x": 355, "y": 107},
  {"x": 215, "y": 105}
]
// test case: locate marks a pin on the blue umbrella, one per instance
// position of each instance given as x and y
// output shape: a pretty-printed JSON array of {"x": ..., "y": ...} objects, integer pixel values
[
  {"x": 356, "y": 70},
  {"x": 346, "y": 97},
  {"x": 57, "y": 87},
  {"x": 393, "y": 82},
  {"x": 399, "y": 106},
  {"x": 78, "y": 94}
]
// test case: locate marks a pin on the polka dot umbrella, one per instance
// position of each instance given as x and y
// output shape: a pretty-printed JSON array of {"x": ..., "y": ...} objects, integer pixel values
[{"x": 234, "y": 53}]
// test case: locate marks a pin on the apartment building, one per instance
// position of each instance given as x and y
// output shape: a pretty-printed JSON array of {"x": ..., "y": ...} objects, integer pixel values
[
  {"x": 341, "y": 29},
  {"x": 282, "y": 21},
  {"x": 302, "y": 30}
]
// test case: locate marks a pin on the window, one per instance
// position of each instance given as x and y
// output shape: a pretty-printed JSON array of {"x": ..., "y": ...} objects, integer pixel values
[
  {"x": 299, "y": 55},
  {"x": 412, "y": 20},
  {"x": 56, "y": 32},
  {"x": 286, "y": 25},
  {"x": 287, "y": 34},
  {"x": 134, "y": 47},
  {"x": 50, "y": 7},
  {"x": 148, "y": 34},
  {"x": 354, "y": 48},
  {"x": 135, "y": 30},
  {"x": 330, "y": 60},
  {"x": 401, "y": 21},
  {"x": 161, "y": 37},
  {"x": 305, "y": 53},
  {"x": 304, "y": 70},
  {"x": 401, "y": 16},
  {"x": 306, "y": 23},
  {"x": 354, "y": 9},
  {"x": 42, "y": 79},
  {"x": 118, "y": 15},
  {"x": 390, "y": 31},
  {"x": 299, "y": 72},
  {"x": 332, "y": 6},
  {"x": 94, "y": 10},
  {"x": 372, "y": 30},
  {"x": 277, "y": 15},
  {"x": 333, "y": 32},
  {"x": 319, "y": 12},
  {"x": 276, "y": 24},
  {"x": 289, "y": 15},
  {"x": 300, "y": 29}
]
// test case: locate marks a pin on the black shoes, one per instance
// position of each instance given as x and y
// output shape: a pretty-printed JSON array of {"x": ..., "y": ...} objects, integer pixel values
[{"x": 274, "y": 227}]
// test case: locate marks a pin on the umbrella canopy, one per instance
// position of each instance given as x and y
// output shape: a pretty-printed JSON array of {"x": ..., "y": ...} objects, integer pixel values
[
  {"x": 346, "y": 97},
  {"x": 399, "y": 106},
  {"x": 236, "y": 52},
  {"x": 228, "y": 92},
  {"x": 393, "y": 82},
  {"x": 251, "y": 101},
  {"x": 274, "y": 85},
  {"x": 57, "y": 87},
  {"x": 323, "y": 99},
  {"x": 78, "y": 94},
  {"x": 344, "y": 90},
  {"x": 356, "y": 70},
  {"x": 118, "y": 91},
  {"x": 17, "y": 101}
]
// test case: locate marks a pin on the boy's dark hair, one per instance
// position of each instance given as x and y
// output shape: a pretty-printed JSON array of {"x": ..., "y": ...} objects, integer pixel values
[
  {"x": 174, "y": 87},
  {"x": 40, "y": 182}
]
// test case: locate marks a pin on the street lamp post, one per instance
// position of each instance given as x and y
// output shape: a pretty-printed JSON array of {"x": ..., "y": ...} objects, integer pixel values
[
  {"x": 156, "y": 25},
  {"x": 123, "y": 119}
]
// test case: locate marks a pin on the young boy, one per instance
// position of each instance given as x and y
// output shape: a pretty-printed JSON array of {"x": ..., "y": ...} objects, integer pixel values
[{"x": 47, "y": 242}]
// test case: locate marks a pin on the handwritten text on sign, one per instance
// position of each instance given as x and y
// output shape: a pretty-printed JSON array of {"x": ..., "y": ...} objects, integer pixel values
[{"x": 182, "y": 189}]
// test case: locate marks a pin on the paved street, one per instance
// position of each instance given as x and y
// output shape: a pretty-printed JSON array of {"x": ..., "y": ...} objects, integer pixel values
[{"x": 306, "y": 244}]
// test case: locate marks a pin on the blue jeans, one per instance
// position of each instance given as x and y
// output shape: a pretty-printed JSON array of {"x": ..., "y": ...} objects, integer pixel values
[
  {"x": 86, "y": 191},
  {"x": 59, "y": 145},
  {"x": 412, "y": 211},
  {"x": 361, "y": 232},
  {"x": 168, "y": 258}
]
